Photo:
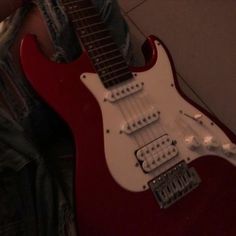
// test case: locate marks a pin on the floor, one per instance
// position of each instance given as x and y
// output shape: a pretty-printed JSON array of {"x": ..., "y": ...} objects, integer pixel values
[{"x": 201, "y": 37}]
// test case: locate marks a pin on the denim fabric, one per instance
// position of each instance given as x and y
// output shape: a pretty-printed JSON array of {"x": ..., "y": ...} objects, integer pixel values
[{"x": 36, "y": 159}]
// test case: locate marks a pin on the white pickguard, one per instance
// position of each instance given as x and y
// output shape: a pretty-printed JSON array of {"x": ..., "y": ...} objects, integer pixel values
[{"x": 159, "y": 91}]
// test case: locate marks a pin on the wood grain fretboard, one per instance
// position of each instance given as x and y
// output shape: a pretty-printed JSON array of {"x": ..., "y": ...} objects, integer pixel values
[{"x": 107, "y": 59}]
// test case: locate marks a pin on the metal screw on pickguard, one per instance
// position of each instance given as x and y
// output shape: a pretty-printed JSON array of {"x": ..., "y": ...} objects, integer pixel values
[
  {"x": 121, "y": 132},
  {"x": 107, "y": 131},
  {"x": 180, "y": 111},
  {"x": 172, "y": 85},
  {"x": 212, "y": 123},
  {"x": 84, "y": 76},
  {"x": 144, "y": 186}
]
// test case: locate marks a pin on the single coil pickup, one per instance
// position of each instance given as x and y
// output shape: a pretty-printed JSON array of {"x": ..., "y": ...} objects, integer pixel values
[
  {"x": 173, "y": 184},
  {"x": 154, "y": 147},
  {"x": 153, "y": 161},
  {"x": 123, "y": 91},
  {"x": 140, "y": 122}
]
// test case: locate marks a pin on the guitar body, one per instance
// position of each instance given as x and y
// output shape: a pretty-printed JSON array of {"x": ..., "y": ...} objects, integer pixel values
[{"x": 113, "y": 195}]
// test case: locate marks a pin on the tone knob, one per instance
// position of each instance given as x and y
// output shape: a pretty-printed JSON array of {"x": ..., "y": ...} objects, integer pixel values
[
  {"x": 229, "y": 149},
  {"x": 192, "y": 142},
  {"x": 210, "y": 143}
]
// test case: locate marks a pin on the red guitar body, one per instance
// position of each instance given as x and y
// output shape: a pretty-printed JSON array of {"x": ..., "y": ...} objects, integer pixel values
[{"x": 103, "y": 207}]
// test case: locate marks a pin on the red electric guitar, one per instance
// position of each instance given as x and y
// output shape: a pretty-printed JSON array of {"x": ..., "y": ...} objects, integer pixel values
[{"x": 149, "y": 161}]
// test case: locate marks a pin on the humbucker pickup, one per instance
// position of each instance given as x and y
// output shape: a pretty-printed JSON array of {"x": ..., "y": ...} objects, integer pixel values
[
  {"x": 172, "y": 185},
  {"x": 156, "y": 153}
]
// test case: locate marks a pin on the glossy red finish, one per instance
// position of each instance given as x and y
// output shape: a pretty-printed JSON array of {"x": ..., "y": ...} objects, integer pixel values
[
  {"x": 103, "y": 207},
  {"x": 150, "y": 55}
]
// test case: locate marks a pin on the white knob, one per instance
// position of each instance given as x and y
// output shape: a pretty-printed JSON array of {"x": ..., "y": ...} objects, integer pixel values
[
  {"x": 210, "y": 142},
  {"x": 197, "y": 116},
  {"x": 229, "y": 149},
  {"x": 192, "y": 142}
]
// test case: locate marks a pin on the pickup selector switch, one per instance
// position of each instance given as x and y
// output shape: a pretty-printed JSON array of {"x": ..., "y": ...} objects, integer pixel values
[{"x": 197, "y": 117}]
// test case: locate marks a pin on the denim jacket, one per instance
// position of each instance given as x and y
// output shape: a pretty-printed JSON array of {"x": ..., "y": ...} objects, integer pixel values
[{"x": 36, "y": 158}]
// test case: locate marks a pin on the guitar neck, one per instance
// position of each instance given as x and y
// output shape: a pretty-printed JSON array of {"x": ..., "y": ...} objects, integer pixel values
[{"x": 98, "y": 42}]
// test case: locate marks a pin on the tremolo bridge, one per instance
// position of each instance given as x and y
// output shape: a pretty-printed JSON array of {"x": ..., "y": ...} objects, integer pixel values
[{"x": 172, "y": 185}]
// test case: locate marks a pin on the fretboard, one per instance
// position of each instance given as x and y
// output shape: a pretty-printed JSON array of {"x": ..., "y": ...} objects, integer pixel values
[{"x": 107, "y": 59}]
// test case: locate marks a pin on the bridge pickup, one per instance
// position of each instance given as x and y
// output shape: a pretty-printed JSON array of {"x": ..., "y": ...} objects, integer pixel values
[
  {"x": 156, "y": 153},
  {"x": 172, "y": 185},
  {"x": 123, "y": 91},
  {"x": 140, "y": 121}
]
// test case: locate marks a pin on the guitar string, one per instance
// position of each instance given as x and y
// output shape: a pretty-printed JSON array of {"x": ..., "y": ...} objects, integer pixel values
[
  {"x": 137, "y": 106},
  {"x": 147, "y": 155},
  {"x": 149, "y": 138},
  {"x": 154, "y": 129},
  {"x": 86, "y": 8},
  {"x": 155, "y": 125},
  {"x": 124, "y": 111},
  {"x": 142, "y": 112},
  {"x": 137, "y": 135},
  {"x": 127, "y": 111}
]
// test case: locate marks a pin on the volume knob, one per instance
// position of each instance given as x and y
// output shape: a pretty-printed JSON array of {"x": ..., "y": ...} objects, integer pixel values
[
  {"x": 192, "y": 142},
  {"x": 210, "y": 142}
]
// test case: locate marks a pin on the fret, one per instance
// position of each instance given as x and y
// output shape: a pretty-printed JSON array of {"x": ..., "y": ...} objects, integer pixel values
[
  {"x": 98, "y": 40},
  {"x": 115, "y": 71},
  {"x": 107, "y": 60},
  {"x": 81, "y": 10},
  {"x": 118, "y": 80},
  {"x": 89, "y": 26},
  {"x": 86, "y": 22},
  {"x": 101, "y": 47},
  {"x": 98, "y": 43},
  {"x": 118, "y": 76},
  {"x": 105, "y": 53},
  {"x": 85, "y": 18},
  {"x": 80, "y": 4},
  {"x": 96, "y": 36},
  {"x": 90, "y": 34},
  {"x": 112, "y": 65},
  {"x": 69, "y": 2}
]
